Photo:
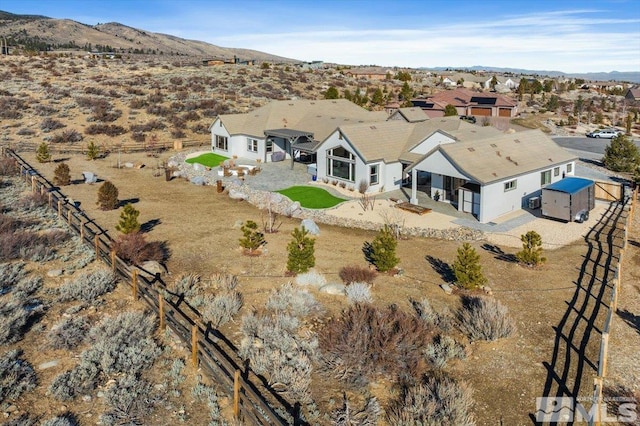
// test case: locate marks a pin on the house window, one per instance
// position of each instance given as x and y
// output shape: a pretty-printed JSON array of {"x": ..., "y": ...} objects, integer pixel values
[
  {"x": 569, "y": 168},
  {"x": 341, "y": 164},
  {"x": 269, "y": 146},
  {"x": 511, "y": 185},
  {"x": 221, "y": 143},
  {"x": 252, "y": 145},
  {"x": 545, "y": 178},
  {"x": 556, "y": 171},
  {"x": 373, "y": 175}
]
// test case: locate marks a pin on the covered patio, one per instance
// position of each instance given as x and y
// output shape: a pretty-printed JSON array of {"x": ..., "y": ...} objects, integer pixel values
[{"x": 297, "y": 144}]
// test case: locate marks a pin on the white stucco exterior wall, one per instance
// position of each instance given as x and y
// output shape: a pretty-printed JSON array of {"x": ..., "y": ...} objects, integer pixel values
[{"x": 437, "y": 138}]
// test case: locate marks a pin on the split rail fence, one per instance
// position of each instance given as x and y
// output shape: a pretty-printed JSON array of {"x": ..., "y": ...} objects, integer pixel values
[
  {"x": 249, "y": 403},
  {"x": 25, "y": 146},
  {"x": 598, "y": 385}
]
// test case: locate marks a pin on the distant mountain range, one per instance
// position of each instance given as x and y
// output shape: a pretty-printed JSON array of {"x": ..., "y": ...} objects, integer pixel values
[
  {"x": 632, "y": 77},
  {"x": 41, "y": 32}
]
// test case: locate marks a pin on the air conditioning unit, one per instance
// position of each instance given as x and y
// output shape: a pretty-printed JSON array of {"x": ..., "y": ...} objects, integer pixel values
[{"x": 534, "y": 203}]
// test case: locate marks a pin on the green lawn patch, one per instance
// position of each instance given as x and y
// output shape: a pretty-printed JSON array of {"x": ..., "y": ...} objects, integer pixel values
[
  {"x": 310, "y": 197},
  {"x": 209, "y": 159}
]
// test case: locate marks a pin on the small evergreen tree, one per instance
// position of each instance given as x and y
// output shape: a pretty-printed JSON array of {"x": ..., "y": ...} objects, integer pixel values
[
  {"x": 301, "y": 252},
  {"x": 531, "y": 253},
  {"x": 93, "y": 151},
  {"x": 450, "y": 111},
  {"x": 129, "y": 220},
  {"x": 107, "y": 196},
  {"x": 252, "y": 238},
  {"x": 377, "y": 97},
  {"x": 382, "y": 251},
  {"x": 42, "y": 154},
  {"x": 467, "y": 268},
  {"x": 621, "y": 155},
  {"x": 62, "y": 175},
  {"x": 331, "y": 93}
]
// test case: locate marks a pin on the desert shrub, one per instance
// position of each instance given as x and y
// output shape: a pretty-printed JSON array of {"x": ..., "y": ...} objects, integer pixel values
[
  {"x": 106, "y": 115},
  {"x": 44, "y": 110},
  {"x": 252, "y": 238},
  {"x": 25, "y": 132},
  {"x": 357, "y": 274},
  {"x": 129, "y": 220},
  {"x": 107, "y": 196},
  {"x": 32, "y": 201},
  {"x": 275, "y": 348},
  {"x": 138, "y": 137},
  {"x": 293, "y": 301},
  {"x": 120, "y": 344},
  {"x": 178, "y": 133},
  {"x": 42, "y": 153},
  {"x": 359, "y": 293},
  {"x": 129, "y": 402},
  {"x": 49, "y": 124},
  {"x": 312, "y": 278},
  {"x": 105, "y": 129},
  {"x": 8, "y": 166},
  {"x": 200, "y": 129},
  {"x": 301, "y": 252},
  {"x": 11, "y": 274},
  {"x": 191, "y": 116},
  {"x": 67, "y": 136},
  {"x": 88, "y": 286},
  {"x": 443, "y": 349},
  {"x": 207, "y": 394},
  {"x": 30, "y": 245},
  {"x": 137, "y": 103},
  {"x": 483, "y": 318},
  {"x": 22, "y": 420},
  {"x": 186, "y": 285},
  {"x": 531, "y": 253},
  {"x": 467, "y": 268},
  {"x": 437, "y": 401},
  {"x": 159, "y": 110},
  {"x": 14, "y": 319},
  {"x": 347, "y": 415},
  {"x": 381, "y": 252},
  {"x": 148, "y": 126},
  {"x": 365, "y": 341},
  {"x": 16, "y": 375},
  {"x": 26, "y": 287},
  {"x": 66, "y": 419},
  {"x": 134, "y": 249},
  {"x": 68, "y": 333},
  {"x": 427, "y": 314},
  {"x": 221, "y": 308},
  {"x": 62, "y": 175}
]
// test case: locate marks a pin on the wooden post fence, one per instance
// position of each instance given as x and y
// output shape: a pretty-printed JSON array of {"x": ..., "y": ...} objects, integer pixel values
[
  {"x": 50, "y": 200},
  {"x": 33, "y": 183},
  {"x": 236, "y": 394},
  {"x": 194, "y": 345},
  {"x": 69, "y": 217},
  {"x": 59, "y": 208},
  {"x": 81, "y": 231},
  {"x": 96, "y": 243},
  {"x": 161, "y": 311},
  {"x": 134, "y": 283}
]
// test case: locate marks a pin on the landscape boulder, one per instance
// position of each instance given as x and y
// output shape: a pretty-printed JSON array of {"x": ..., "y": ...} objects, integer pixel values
[
  {"x": 310, "y": 226},
  {"x": 151, "y": 269},
  {"x": 197, "y": 180},
  {"x": 335, "y": 289},
  {"x": 293, "y": 208},
  {"x": 234, "y": 194}
]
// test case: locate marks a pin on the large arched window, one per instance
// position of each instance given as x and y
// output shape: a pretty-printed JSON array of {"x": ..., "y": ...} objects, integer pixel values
[{"x": 341, "y": 164}]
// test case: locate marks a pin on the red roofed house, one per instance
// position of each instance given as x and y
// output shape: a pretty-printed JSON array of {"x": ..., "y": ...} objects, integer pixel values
[{"x": 468, "y": 102}]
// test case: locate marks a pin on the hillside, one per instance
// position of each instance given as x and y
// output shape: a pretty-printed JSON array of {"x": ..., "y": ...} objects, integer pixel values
[{"x": 40, "y": 32}]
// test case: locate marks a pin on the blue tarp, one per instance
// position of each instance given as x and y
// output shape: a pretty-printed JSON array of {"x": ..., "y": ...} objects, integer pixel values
[{"x": 570, "y": 185}]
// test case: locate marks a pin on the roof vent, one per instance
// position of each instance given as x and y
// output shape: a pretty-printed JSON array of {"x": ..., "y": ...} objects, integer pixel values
[
  {"x": 494, "y": 174},
  {"x": 550, "y": 160},
  {"x": 471, "y": 149},
  {"x": 493, "y": 145},
  {"x": 290, "y": 104},
  {"x": 516, "y": 140},
  {"x": 373, "y": 127},
  {"x": 498, "y": 154}
]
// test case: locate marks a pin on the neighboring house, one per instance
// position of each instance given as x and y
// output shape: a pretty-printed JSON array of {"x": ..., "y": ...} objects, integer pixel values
[
  {"x": 369, "y": 74},
  {"x": 633, "y": 94},
  {"x": 478, "y": 169},
  {"x": 493, "y": 176},
  {"x": 313, "y": 65},
  {"x": 468, "y": 102},
  {"x": 507, "y": 82}
]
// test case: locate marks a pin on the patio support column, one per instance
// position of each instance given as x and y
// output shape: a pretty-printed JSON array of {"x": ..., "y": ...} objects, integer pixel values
[{"x": 414, "y": 186}]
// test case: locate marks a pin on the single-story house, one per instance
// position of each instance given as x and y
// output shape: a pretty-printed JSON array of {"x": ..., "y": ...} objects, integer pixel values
[
  {"x": 633, "y": 94},
  {"x": 468, "y": 102},
  {"x": 480, "y": 170}
]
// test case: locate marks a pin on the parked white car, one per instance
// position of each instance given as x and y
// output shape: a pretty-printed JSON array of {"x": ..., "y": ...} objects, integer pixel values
[{"x": 604, "y": 133}]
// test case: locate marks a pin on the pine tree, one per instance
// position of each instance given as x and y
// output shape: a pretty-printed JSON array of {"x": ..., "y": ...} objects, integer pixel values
[
  {"x": 382, "y": 251},
  {"x": 108, "y": 196},
  {"x": 621, "y": 155},
  {"x": 450, "y": 110},
  {"x": 301, "y": 252},
  {"x": 93, "y": 151},
  {"x": 62, "y": 175},
  {"x": 531, "y": 253},
  {"x": 129, "y": 220},
  {"x": 42, "y": 154},
  {"x": 252, "y": 238},
  {"x": 331, "y": 93},
  {"x": 467, "y": 268}
]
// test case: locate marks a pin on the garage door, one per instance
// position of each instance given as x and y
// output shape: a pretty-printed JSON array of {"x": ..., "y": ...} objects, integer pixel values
[
  {"x": 504, "y": 112},
  {"x": 482, "y": 112}
]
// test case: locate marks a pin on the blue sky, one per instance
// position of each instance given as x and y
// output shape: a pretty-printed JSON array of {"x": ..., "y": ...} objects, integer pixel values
[{"x": 569, "y": 36}]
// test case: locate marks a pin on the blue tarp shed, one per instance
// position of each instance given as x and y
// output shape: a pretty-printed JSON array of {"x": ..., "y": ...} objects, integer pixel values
[{"x": 569, "y": 199}]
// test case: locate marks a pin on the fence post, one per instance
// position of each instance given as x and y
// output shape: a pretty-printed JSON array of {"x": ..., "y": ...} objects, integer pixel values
[
  {"x": 50, "y": 200},
  {"x": 194, "y": 345},
  {"x": 134, "y": 284},
  {"x": 81, "y": 231},
  {"x": 605, "y": 350},
  {"x": 59, "y": 208},
  {"x": 41, "y": 189},
  {"x": 113, "y": 260},
  {"x": 161, "y": 309},
  {"x": 69, "y": 217},
  {"x": 236, "y": 394},
  {"x": 33, "y": 183},
  {"x": 96, "y": 242}
]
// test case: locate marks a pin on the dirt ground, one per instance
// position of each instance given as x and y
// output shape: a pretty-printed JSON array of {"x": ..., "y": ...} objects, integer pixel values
[{"x": 202, "y": 230}]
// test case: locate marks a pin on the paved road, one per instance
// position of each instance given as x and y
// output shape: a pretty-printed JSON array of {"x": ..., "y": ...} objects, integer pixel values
[{"x": 592, "y": 145}]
